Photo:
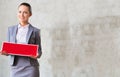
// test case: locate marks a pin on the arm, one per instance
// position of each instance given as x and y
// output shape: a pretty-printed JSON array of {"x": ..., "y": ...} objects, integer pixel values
[
  {"x": 38, "y": 42},
  {"x": 8, "y": 36}
]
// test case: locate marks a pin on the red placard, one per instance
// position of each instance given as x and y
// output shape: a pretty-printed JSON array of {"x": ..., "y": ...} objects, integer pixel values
[{"x": 20, "y": 49}]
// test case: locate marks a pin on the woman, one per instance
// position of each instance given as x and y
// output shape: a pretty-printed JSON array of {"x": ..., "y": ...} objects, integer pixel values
[{"x": 24, "y": 33}]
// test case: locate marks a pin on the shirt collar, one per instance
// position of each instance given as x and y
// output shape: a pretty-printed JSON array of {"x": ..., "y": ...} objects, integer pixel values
[{"x": 26, "y": 26}]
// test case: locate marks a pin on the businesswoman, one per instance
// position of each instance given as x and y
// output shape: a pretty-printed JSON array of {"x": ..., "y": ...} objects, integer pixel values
[{"x": 24, "y": 33}]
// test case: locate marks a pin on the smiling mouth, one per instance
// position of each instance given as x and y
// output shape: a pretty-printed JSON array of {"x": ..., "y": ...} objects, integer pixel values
[{"x": 22, "y": 18}]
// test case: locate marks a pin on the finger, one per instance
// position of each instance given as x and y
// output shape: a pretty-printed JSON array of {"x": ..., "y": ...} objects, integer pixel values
[
  {"x": 33, "y": 57},
  {"x": 4, "y": 53}
]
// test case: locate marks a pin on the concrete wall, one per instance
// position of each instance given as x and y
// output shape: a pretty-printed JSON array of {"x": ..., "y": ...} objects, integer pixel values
[{"x": 80, "y": 38}]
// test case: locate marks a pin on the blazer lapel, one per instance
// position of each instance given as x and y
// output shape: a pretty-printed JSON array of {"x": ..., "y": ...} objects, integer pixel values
[
  {"x": 14, "y": 33},
  {"x": 29, "y": 33}
]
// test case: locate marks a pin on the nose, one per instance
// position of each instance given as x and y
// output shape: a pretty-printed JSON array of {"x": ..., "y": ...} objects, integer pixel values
[{"x": 22, "y": 14}]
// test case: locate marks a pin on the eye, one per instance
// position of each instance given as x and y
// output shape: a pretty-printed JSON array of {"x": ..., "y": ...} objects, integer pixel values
[
  {"x": 19, "y": 11},
  {"x": 26, "y": 12}
]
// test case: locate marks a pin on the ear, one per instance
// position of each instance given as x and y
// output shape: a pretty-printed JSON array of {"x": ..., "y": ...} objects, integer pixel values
[{"x": 30, "y": 15}]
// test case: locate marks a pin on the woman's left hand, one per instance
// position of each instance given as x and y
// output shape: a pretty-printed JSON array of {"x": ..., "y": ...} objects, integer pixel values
[{"x": 34, "y": 57}]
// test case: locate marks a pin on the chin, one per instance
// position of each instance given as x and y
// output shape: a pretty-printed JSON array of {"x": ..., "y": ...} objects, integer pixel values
[{"x": 22, "y": 20}]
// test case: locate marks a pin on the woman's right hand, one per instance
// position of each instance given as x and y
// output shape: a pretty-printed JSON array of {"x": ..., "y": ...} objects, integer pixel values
[{"x": 3, "y": 53}]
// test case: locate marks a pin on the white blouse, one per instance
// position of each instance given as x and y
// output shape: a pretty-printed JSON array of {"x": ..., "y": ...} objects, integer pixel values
[{"x": 22, "y": 34}]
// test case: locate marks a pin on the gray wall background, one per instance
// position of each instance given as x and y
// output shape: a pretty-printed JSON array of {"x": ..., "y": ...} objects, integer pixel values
[{"x": 80, "y": 38}]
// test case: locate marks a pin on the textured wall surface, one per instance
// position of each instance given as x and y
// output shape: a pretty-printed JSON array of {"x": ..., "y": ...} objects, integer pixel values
[{"x": 80, "y": 38}]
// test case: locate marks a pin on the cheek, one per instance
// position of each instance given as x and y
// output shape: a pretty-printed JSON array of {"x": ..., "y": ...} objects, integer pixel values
[
  {"x": 27, "y": 16},
  {"x": 18, "y": 15}
]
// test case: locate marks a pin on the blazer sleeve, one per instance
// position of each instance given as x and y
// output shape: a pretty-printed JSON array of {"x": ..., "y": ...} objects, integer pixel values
[{"x": 38, "y": 42}]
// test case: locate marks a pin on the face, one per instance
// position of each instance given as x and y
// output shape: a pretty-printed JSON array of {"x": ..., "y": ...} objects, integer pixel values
[{"x": 23, "y": 14}]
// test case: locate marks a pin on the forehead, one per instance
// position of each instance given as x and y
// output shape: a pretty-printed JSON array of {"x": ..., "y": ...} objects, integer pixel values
[{"x": 23, "y": 7}]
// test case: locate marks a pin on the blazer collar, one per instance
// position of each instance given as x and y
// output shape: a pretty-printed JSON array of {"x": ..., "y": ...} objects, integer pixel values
[
  {"x": 29, "y": 32},
  {"x": 15, "y": 33}
]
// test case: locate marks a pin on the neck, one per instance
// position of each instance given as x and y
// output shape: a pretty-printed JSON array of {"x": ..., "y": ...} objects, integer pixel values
[{"x": 23, "y": 23}]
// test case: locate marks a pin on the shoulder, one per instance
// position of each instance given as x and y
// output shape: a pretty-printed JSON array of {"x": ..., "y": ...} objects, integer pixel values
[
  {"x": 12, "y": 27},
  {"x": 35, "y": 28}
]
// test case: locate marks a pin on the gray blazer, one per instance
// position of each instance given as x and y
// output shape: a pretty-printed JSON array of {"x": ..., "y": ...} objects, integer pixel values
[{"x": 33, "y": 37}]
